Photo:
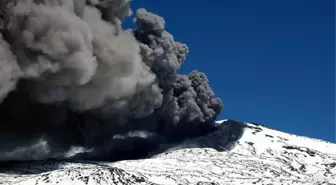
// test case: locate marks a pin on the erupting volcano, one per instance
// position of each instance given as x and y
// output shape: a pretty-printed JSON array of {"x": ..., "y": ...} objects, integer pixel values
[{"x": 75, "y": 84}]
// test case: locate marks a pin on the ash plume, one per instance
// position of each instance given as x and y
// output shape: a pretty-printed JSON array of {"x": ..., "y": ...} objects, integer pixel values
[{"x": 74, "y": 84}]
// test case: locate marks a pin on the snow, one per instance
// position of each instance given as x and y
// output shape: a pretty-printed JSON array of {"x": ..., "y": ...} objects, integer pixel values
[{"x": 260, "y": 156}]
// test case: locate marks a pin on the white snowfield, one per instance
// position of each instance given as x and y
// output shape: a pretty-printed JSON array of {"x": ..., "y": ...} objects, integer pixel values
[{"x": 237, "y": 154}]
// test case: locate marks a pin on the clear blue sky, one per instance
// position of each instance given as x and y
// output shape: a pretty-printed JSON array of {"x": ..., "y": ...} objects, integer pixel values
[{"x": 271, "y": 61}]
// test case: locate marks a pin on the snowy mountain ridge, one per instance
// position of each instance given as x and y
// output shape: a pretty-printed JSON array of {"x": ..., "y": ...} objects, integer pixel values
[{"x": 238, "y": 153}]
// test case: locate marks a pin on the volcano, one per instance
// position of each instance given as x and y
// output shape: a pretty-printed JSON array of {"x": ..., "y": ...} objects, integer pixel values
[{"x": 236, "y": 153}]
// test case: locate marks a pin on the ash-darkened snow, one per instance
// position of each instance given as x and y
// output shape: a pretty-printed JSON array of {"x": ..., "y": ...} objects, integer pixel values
[{"x": 75, "y": 84}]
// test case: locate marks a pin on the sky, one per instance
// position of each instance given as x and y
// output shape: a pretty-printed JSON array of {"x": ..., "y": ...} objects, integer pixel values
[{"x": 271, "y": 62}]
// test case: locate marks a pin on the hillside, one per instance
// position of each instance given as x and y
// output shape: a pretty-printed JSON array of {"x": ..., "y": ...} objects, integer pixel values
[{"x": 238, "y": 153}]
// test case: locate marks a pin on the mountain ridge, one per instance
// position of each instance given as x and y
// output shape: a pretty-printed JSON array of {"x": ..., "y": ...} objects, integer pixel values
[
  {"x": 277, "y": 129},
  {"x": 237, "y": 153}
]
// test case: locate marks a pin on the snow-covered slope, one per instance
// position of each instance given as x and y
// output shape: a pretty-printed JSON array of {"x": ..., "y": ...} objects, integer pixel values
[{"x": 238, "y": 153}]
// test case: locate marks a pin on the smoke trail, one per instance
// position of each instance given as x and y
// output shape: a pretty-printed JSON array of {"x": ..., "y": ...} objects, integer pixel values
[
  {"x": 73, "y": 83},
  {"x": 9, "y": 69}
]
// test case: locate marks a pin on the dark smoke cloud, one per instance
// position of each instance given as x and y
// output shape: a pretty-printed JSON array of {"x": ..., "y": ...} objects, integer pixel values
[{"x": 74, "y": 84}]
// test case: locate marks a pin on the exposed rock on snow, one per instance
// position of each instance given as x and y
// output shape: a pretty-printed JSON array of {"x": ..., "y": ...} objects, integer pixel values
[{"x": 238, "y": 153}]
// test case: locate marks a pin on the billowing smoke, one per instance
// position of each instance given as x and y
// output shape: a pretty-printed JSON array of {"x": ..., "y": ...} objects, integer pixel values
[{"x": 74, "y": 84}]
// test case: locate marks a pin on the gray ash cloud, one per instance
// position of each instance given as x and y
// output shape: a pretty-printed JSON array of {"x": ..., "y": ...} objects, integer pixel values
[{"x": 73, "y": 83}]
